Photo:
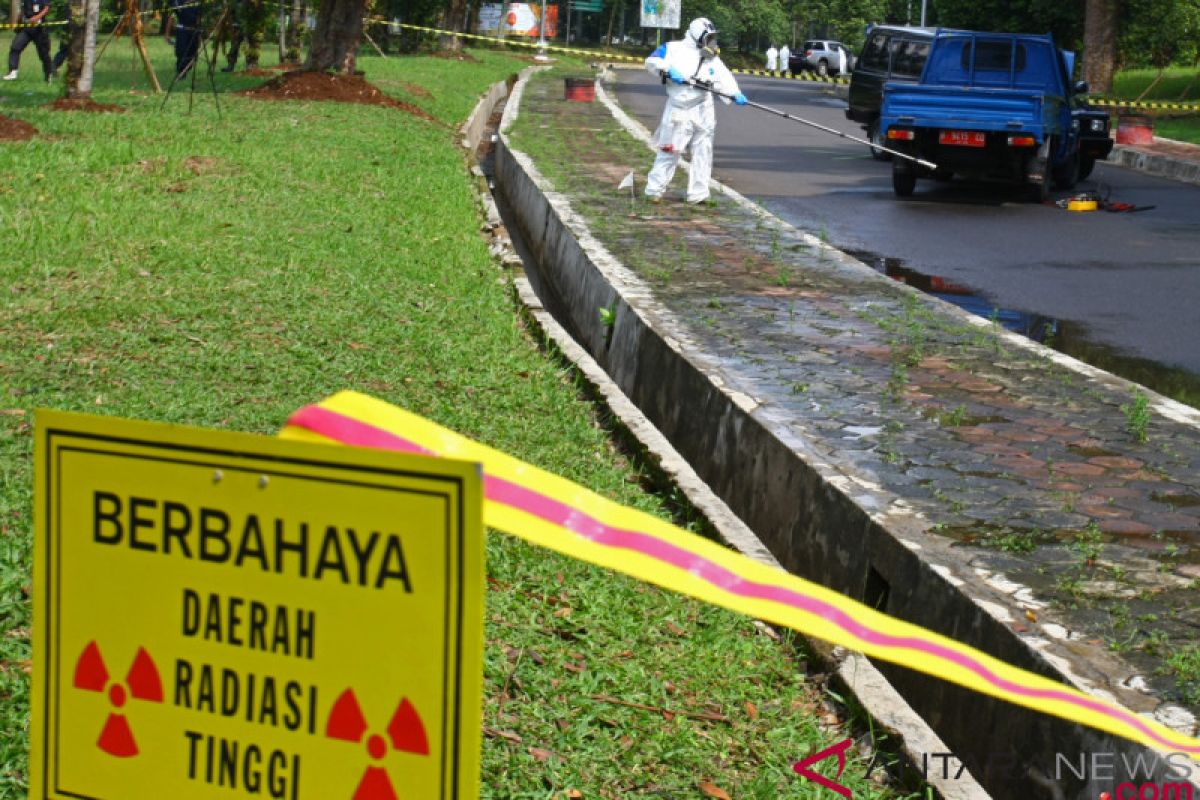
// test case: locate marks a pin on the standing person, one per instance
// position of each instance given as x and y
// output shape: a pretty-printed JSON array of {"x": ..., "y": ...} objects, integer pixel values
[
  {"x": 772, "y": 59},
  {"x": 785, "y": 60},
  {"x": 234, "y": 26},
  {"x": 688, "y": 118},
  {"x": 33, "y": 12},
  {"x": 187, "y": 34}
]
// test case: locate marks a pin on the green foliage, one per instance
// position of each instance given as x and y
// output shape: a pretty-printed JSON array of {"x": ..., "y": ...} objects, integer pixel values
[
  {"x": 1063, "y": 20},
  {"x": 1158, "y": 33},
  {"x": 844, "y": 20},
  {"x": 1184, "y": 665},
  {"x": 1137, "y": 415}
]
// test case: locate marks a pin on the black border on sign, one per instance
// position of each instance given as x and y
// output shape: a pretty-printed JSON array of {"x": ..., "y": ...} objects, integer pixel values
[{"x": 454, "y": 623}]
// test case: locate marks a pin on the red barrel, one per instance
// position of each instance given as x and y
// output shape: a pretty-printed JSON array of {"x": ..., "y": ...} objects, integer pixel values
[
  {"x": 581, "y": 90},
  {"x": 1135, "y": 129}
]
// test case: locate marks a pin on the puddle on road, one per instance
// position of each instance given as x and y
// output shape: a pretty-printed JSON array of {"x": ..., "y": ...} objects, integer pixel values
[{"x": 1065, "y": 336}]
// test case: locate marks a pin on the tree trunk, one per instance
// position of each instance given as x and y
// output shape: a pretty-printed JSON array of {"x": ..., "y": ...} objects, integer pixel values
[
  {"x": 14, "y": 12},
  {"x": 281, "y": 30},
  {"x": 1100, "y": 44},
  {"x": 454, "y": 19},
  {"x": 81, "y": 55},
  {"x": 295, "y": 32},
  {"x": 612, "y": 16},
  {"x": 337, "y": 36}
]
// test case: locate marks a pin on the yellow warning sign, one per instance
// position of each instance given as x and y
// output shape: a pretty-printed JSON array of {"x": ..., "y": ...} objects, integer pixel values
[{"x": 221, "y": 615}]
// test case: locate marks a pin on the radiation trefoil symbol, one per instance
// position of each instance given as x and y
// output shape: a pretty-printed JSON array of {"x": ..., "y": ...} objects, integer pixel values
[
  {"x": 405, "y": 732},
  {"x": 142, "y": 682}
]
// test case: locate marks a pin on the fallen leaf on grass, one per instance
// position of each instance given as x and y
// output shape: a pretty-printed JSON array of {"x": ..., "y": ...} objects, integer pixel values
[
  {"x": 563, "y": 612},
  {"x": 712, "y": 790},
  {"x": 492, "y": 733},
  {"x": 751, "y": 710},
  {"x": 675, "y": 629},
  {"x": 574, "y": 794},
  {"x": 540, "y": 754}
]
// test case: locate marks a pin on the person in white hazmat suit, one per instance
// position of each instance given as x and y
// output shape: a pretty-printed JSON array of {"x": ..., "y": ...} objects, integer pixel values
[{"x": 688, "y": 119}]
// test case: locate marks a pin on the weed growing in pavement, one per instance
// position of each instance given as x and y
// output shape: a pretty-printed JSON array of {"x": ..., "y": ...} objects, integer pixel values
[
  {"x": 783, "y": 275},
  {"x": 1137, "y": 415},
  {"x": 1014, "y": 541},
  {"x": 1088, "y": 544},
  {"x": 954, "y": 417},
  {"x": 1184, "y": 666}
]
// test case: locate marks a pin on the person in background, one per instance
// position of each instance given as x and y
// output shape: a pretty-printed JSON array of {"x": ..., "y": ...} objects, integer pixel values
[
  {"x": 785, "y": 60},
  {"x": 187, "y": 34},
  {"x": 772, "y": 59},
  {"x": 33, "y": 12},
  {"x": 235, "y": 40},
  {"x": 689, "y": 119}
]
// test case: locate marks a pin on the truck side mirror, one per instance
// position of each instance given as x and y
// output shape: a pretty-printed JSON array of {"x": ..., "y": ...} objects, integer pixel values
[{"x": 1082, "y": 87}]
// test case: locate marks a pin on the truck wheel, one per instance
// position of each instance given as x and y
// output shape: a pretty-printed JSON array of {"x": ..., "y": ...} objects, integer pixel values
[
  {"x": 904, "y": 178},
  {"x": 1067, "y": 174},
  {"x": 823, "y": 68},
  {"x": 1086, "y": 164},
  {"x": 875, "y": 136},
  {"x": 1038, "y": 174}
]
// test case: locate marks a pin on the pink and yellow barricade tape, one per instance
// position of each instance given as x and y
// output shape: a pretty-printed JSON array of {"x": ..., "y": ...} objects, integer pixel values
[{"x": 548, "y": 510}]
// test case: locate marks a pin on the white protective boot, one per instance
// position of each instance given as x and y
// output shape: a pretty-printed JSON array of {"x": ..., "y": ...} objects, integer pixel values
[{"x": 12, "y": 76}]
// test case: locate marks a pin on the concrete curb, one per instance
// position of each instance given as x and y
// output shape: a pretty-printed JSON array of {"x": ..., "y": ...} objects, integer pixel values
[
  {"x": 1156, "y": 164},
  {"x": 857, "y": 675},
  {"x": 831, "y": 526}
]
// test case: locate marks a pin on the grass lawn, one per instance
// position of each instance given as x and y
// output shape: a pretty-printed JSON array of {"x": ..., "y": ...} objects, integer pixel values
[{"x": 175, "y": 265}]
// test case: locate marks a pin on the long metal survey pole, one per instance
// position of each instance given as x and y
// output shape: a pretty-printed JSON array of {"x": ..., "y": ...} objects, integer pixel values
[{"x": 785, "y": 115}]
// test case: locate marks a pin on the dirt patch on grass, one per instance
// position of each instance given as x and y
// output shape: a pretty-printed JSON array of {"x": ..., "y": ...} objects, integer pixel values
[
  {"x": 14, "y": 130},
  {"x": 67, "y": 104},
  {"x": 309, "y": 85},
  {"x": 416, "y": 91},
  {"x": 199, "y": 165}
]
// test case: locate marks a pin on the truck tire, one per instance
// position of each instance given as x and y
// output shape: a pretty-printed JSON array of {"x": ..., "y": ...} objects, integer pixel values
[
  {"x": 823, "y": 68},
  {"x": 1039, "y": 175},
  {"x": 875, "y": 137},
  {"x": 904, "y": 178},
  {"x": 1066, "y": 175},
  {"x": 1086, "y": 164}
]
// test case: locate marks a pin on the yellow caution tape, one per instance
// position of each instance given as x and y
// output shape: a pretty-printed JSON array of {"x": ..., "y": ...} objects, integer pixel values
[
  {"x": 550, "y": 511},
  {"x": 801, "y": 76},
  {"x": 1114, "y": 103},
  {"x": 12, "y": 26}
]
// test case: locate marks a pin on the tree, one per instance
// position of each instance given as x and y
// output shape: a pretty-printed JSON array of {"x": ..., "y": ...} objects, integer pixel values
[
  {"x": 1158, "y": 33},
  {"x": 81, "y": 54},
  {"x": 1018, "y": 16},
  {"x": 337, "y": 36},
  {"x": 1100, "y": 44}
]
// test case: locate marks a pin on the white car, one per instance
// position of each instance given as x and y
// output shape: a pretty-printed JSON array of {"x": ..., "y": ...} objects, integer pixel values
[{"x": 824, "y": 57}]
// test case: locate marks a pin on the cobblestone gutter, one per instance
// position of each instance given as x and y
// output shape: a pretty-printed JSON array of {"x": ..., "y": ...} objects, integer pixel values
[{"x": 875, "y": 439}]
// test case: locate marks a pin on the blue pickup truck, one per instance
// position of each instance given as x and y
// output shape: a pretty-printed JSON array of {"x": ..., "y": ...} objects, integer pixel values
[{"x": 994, "y": 105}]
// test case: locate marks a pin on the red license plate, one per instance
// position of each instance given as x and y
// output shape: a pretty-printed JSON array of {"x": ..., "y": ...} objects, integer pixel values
[{"x": 963, "y": 138}]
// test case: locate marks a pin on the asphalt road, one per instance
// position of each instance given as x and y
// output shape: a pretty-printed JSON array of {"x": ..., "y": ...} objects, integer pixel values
[{"x": 1127, "y": 282}]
